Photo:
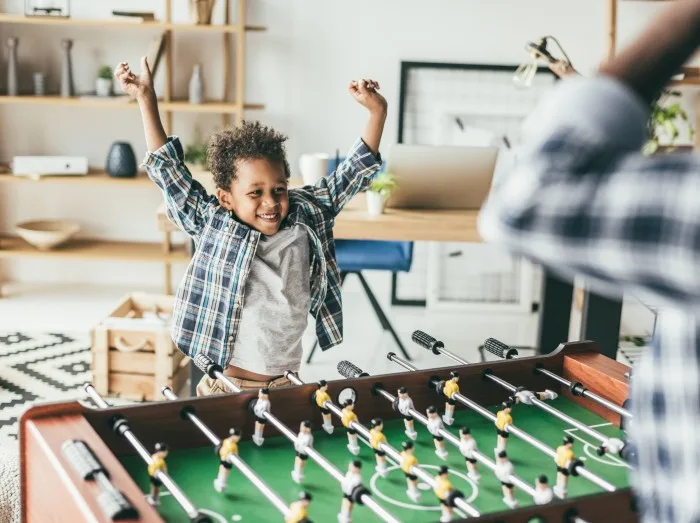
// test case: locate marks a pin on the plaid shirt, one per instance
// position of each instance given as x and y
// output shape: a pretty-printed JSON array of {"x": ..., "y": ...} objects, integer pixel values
[
  {"x": 583, "y": 200},
  {"x": 210, "y": 298}
]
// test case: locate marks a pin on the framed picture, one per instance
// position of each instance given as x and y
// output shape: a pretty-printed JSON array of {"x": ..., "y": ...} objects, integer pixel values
[
  {"x": 47, "y": 8},
  {"x": 471, "y": 105}
]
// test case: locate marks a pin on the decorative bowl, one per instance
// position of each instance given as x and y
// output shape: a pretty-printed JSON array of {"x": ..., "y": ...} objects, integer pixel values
[{"x": 46, "y": 234}]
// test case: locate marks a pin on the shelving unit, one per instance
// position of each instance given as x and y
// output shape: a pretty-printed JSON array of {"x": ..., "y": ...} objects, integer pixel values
[{"x": 231, "y": 111}]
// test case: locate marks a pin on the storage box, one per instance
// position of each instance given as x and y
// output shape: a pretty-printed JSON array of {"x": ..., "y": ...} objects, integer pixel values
[{"x": 133, "y": 355}]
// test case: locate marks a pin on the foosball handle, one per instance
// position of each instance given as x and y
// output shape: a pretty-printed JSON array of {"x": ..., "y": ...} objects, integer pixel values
[
  {"x": 207, "y": 365},
  {"x": 426, "y": 341},
  {"x": 349, "y": 370},
  {"x": 500, "y": 349}
]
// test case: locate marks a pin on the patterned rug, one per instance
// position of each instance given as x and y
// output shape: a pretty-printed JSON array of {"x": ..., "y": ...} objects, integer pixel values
[{"x": 37, "y": 367}]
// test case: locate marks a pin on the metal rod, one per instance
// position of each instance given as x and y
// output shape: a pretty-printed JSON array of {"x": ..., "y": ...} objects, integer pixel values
[
  {"x": 318, "y": 458},
  {"x": 588, "y": 394},
  {"x": 293, "y": 378},
  {"x": 392, "y": 453},
  {"x": 235, "y": 460},
  {"x": 164, "y": 478},
  {"x": 580, "y": 470}
]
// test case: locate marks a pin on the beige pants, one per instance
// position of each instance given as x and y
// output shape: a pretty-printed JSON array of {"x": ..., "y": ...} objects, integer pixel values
[{"x": 208, "y": 386}]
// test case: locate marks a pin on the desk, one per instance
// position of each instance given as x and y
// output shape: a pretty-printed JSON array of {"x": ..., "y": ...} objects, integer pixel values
[{"x": 601, "y": 316}]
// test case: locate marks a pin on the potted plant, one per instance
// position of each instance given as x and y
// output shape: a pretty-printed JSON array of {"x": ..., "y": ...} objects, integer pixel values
[
  {"x": 379, "y": 191},
  {"x": 196, "y": 161},
  {"x": 103, "y": 83},
  {"x": 662, "y": 125}
]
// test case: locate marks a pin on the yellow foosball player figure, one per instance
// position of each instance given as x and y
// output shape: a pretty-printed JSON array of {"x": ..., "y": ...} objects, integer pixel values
[
  {"x": 408, "y": 460},
  {"x": 348, "y": 416},
  {"x": 157, "y": 465},
  {"x": 376, "y": 438},
  {"x": 321, "y": 396},
  {"x": 305, "y": 439},
  {"x": 503, "y": 419},
  {"x": 228, "y": 446},
  {"x": 446, "y": 493},
  {"x": 298, "y": 510},
  {"x": 451, "y": 386},
  {"x": 565, "y": 456}
]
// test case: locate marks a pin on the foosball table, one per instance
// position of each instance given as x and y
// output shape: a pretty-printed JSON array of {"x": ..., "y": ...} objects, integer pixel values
[{"x": 514, "y": 440}]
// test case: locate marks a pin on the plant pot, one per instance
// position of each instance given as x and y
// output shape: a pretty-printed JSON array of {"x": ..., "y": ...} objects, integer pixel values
[
  {"x": 103, "y": 86},
  {"x": 121, "y": 161},
  {"x": 375, "y": 203}
]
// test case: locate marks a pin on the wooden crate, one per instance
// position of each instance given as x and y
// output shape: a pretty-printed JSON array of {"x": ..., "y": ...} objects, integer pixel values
[{"x": 133, "y": 355}]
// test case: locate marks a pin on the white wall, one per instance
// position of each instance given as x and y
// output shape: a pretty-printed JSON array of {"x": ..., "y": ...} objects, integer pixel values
[{"x": 299, "y": 69}]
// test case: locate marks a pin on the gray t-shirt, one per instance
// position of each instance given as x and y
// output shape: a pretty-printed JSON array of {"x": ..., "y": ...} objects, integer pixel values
[{"x": 276, "y": 304}]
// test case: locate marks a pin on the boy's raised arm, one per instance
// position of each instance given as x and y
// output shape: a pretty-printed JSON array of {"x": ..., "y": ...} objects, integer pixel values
[
  {"x": 186, "y": 201},
  {"x": 362, "y": 162}
]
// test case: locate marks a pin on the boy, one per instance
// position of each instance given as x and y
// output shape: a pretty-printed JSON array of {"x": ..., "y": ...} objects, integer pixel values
[
  {"x": 264, "y": 255},
  {"x": 584, "y": 200}
]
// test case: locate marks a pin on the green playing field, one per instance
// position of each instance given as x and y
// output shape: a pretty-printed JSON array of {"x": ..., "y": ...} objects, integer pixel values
[{"x": 195, "y": 469}]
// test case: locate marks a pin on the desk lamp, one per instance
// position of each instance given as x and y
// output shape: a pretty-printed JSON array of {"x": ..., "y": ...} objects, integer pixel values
[{"x": 537, "y": 50}]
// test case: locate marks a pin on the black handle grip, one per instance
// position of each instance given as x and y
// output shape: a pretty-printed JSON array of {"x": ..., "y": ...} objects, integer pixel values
[
  {"x": 350, "y": 370},
  {"x": 500, "y": 349},
  {"x": 427, "y": 341},
  {"x": 207, "y": 365}
]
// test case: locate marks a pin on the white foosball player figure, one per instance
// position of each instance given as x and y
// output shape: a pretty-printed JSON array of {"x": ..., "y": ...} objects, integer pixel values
[
  {"x": 451, "y": 387},
  {"x": 543, "y": 492},
  {"x": 261, "y": 407},
  {"x": 305, "y": 439},
  {"x": 347, "y": 417},
  {"x": 404, "y": 406},
  {"x": 351, "y": 481},
  {"x": 526, "y": 396},
  {"x": 565, "y": 456},
  {"x": 467, "y": 446},
  {"x": 504, "y": 469},
  {"x": 376, "y": 438},
  {"x": 409, "y": 460},
  {"x": 435, "y": 425},
  {"x": 228, "y": 446}
]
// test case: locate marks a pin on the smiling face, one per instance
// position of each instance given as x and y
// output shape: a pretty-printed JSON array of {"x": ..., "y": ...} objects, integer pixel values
[{"x": 258, "y": 194}]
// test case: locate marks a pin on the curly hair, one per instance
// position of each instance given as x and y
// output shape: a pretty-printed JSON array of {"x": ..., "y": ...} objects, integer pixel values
[{"x": 249, "y": 141}]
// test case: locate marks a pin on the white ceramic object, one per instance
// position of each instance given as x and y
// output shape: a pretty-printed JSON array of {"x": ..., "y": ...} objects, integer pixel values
[
  {"x": 103, "y": 86},
  {"x": 313, "y": 167},
  {"x": 46, "y": 234},
  {"x": 195, "y": 87},
  {"x": 375, "y": 203}
]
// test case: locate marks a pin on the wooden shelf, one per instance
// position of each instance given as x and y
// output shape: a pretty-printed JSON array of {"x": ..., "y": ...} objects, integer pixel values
[
  {"x": 210, "y": 106},
  {"x": 90, "y": 249},
  {"x": 95, "y": 176},
  {"x": 118, "y": 22}
]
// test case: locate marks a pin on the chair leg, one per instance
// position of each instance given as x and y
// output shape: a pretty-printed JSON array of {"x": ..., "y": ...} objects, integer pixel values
[
  {"x": 343, "y": 275},
  {"x": 386, "y": 324}
]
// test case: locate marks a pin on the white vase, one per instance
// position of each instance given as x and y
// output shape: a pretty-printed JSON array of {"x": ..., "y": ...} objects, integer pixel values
[
  {"x": 196, "y": 85},
  {"x": 103, "y": 86},
  {"x": 375, "y": 203},
  {"x": 313, "y": 167}
]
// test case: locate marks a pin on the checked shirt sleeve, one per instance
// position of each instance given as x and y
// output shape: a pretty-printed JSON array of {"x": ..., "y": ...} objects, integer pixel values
[
  {"x": 186, "y": 201},
  {"x": 582, "y": 199},
  {"x": 353, "y": 175}
]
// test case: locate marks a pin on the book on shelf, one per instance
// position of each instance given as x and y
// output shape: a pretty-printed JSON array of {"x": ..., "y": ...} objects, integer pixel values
[
  {"x": 155, "y": 52},
  {"x": 134, "y": 16}
]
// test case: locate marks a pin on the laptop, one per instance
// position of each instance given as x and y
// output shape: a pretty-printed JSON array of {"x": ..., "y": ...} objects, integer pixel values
[{"x": 440, "y": 177}]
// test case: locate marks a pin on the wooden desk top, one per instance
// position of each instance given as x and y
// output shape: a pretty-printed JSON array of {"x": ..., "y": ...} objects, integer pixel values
[{"x": 353, "y": 223}]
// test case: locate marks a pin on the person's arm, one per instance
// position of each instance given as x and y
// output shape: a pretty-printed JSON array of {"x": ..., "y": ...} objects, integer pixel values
[
  {"x": 356, "y": 172},
  {"x": 584, "y": 200},
  {"x": 186, "y": 201}
]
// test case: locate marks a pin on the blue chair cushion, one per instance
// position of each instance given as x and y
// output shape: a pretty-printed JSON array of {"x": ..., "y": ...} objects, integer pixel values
[{"x": 360, "y": 255}]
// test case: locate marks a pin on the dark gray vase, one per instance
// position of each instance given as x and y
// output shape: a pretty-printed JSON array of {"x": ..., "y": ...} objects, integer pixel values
[{"x": 121, "y": 161}]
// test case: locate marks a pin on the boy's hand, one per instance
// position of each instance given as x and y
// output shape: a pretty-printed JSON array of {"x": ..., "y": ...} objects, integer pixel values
[
  {"x": 365, "y": 92},
  {"x": 136, "y": 86}
]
